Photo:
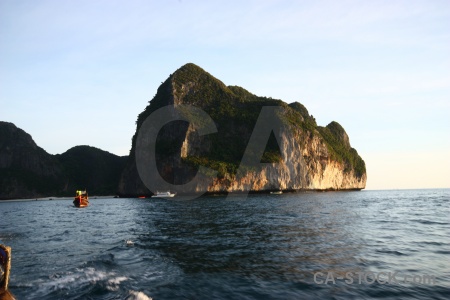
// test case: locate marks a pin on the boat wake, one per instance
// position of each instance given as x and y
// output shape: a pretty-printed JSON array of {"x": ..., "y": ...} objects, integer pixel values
[
  {"x": 138, "y": 296},
  {"x": 83, "y": 282}
]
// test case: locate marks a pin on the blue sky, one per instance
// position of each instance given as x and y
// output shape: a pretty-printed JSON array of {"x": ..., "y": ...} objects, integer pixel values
[{"x": 79, "y": 72}]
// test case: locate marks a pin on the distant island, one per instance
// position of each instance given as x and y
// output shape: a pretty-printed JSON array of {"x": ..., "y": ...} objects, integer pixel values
[
  {"x": 304, "y": 156},
  {"x": 28, "y": 171}
]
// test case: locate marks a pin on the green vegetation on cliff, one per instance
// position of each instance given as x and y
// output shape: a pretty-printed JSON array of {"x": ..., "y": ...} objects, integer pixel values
[
  {"x": 339, "y": 147},
  {"x": 235, "y": 111}
]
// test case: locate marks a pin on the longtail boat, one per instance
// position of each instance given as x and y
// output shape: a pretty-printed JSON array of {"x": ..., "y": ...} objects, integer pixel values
[
  {"x": 81, "y": 199},
  {"x": 5, "y": 268}
]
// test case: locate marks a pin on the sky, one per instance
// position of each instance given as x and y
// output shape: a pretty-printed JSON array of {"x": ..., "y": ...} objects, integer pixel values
[{"x": 79, "y": 72}]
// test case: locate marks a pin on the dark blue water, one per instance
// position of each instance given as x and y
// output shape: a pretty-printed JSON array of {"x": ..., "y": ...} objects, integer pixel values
[{"x": 259, "y": 247}]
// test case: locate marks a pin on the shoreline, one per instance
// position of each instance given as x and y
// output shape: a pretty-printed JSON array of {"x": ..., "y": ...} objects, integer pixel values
[
  {"x": 211, "y": 194},
  {"x": 224, "y": 193},
  {"x": 219, "y": 193}
]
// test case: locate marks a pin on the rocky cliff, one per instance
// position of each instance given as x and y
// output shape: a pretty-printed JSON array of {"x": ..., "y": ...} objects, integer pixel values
[
  {"x": 93, "y": 169},
  {"x": 299, "y": 155},
  {"x": 28, "y": 171}
]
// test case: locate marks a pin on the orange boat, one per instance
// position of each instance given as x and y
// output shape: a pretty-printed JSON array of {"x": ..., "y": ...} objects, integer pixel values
[{"x": 81, "y": 199}]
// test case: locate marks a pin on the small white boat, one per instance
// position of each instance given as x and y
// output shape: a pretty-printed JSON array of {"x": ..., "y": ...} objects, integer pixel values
[
  {"x": 276, "y": 192},
  {"x": 163, "y": 195}
]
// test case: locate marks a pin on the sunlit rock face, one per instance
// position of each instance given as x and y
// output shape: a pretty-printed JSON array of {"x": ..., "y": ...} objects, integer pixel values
[{"x": 303, "y": 157}]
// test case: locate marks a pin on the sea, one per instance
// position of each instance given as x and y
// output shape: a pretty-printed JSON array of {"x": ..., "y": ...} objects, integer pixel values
[{"x": 392, "y": 244}]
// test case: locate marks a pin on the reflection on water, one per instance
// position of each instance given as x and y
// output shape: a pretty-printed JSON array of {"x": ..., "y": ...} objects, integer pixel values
[
  {"x": 264, "y": 236},
  {"x": 262, "y": 246}
]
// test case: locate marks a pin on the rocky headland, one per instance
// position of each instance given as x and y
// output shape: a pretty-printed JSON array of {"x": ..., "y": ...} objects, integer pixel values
[{"x": 303, "y": 156}]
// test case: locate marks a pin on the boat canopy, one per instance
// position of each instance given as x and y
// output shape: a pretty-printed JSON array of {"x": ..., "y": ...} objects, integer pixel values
[{"x": 79, "y": 193}]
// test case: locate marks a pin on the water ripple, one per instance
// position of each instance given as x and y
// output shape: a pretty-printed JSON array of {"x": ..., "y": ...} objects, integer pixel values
[{"x": 259, "y": 247}]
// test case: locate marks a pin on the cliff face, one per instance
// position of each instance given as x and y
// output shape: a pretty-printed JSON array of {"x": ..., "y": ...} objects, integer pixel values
[
  {"x": 92, "y": 169},
  {"x": 26, "y": 170},
  {"x": 306, "y": 156},
  {"x": 308, "y": 166}
]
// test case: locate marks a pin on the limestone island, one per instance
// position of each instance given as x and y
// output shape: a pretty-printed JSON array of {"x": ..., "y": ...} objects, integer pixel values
[{"x": 298, "y": 154}]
